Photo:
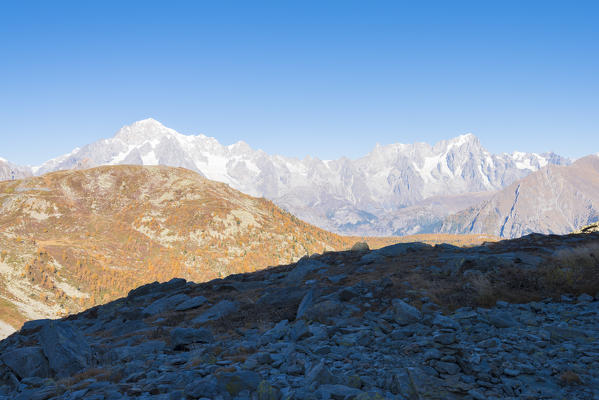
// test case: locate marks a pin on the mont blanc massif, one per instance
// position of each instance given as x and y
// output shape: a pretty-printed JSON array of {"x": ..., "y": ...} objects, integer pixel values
[{"x": 454, "y": 186}]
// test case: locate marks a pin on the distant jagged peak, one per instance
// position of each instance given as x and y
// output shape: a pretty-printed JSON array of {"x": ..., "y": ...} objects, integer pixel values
[
  {"x": 467, "y": 139},
  {"x": 241, "y": 147},
  {"x": 437, "y": 148},
  {"x": 144, "y": 130}
]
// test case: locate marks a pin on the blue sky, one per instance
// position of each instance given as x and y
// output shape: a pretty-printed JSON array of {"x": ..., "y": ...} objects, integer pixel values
[{"x": 325, "y": 78}]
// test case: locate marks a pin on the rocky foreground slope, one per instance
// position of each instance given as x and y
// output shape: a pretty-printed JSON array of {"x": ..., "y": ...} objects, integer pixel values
[{"x": 515, "y": 319}]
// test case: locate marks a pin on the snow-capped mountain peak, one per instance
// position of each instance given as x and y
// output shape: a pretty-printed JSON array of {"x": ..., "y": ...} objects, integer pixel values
[
  {"x": 344, "y": 195},
  {"x": 142, "y": 131}
]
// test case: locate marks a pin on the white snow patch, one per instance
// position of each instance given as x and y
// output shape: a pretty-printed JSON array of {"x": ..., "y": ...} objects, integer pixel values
[
  {"x": 486, "y": 181},
  {"x": 460, "y": 140},
  {"x": 215, "y": 168},
  {"x": 426, "y": 171},
  {"x": 150, "y": 158},
  {"x": 122, "y": 155}
]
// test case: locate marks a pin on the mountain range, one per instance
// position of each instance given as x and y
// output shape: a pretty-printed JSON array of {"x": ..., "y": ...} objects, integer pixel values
[{"x": 395, "y": 189}]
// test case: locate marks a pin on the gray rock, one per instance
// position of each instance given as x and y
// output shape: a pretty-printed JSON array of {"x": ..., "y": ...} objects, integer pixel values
[
  {"x": 371, "y": 258},
  {"x": 336, "y": 278},
  {"x": 302, "y": 269},
  {"x": 404, "y": 313},
  {"x": 181, "y": 337},
  {"x": 323, "y": 311},
  {"x": 193, "y": 302},
  {"x": 402, "y": 248},
  {"x": 501, "y": 319},
  {"x": 477, "y": 395},
  {"x": 320, "y": 374},
  {"x": 217, "y": 311},
  {"x": 42, "y": 393},
  {"x": 130, "y": 353},
  {"x": 346, "y": 294},
  {"x": 277, "y": 332},
  {"x": 236, "y": 382},
  {"x": 165, "y": 304},
  {"x": 448, "y": 368},
  {"x": 445, "y": 338},
  {"x": 445, "y": 322},
  {"x": 432, "y": 354},
  {"x": 27, "y": 361},
  {"x": 157, "y": 288},
  {"x": 584, "y": 298},
  {"x": 200, "y": 388},
  {"x": 560, "y": 333},
  {"x": 305, "y": 304},
  {"x": 338, "y": 392},
  {"x": 360, "y": 246},
  {"x": 299, "y": 330},
  {"x": 66, "y": 349}
]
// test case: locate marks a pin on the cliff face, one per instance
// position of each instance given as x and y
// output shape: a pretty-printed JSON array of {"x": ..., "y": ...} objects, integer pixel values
[{"x": 556, "y": 199}]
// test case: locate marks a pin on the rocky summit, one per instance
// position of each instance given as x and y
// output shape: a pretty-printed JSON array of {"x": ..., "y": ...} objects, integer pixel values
[{"x": 515, "y": 319}]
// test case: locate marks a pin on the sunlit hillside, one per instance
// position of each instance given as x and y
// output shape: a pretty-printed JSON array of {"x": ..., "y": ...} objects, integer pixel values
[{"x": 73, "y": 239}]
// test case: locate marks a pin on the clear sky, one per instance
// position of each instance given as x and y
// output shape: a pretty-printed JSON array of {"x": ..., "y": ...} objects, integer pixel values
[{"x": 325, "y": 78}]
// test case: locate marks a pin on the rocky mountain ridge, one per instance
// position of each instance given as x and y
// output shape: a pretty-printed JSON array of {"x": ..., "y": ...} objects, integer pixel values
[
  {"x": 344, "y": 196},
  {"x": 508, "y": 320},
  {"x": 556, "y": 199}
]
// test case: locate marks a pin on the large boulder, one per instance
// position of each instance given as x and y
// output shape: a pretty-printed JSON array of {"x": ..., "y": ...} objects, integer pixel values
[
  {"x": 323, "y": 311},
  {"x": 27, "y": 362},
  {"x": 303, "y": 268},
  {"x": 193, "y": 302},
  {"x": 66, "y": 349},
  {"x": 217, "y": 311},
  {"x": 235, "y": 382},
  {"x": 165, "y": 304},
  {"x": 399, "y": 249},
  {"x": 404, "y": 313},
  {"x": 360, "y": 246},
  {"x": 182, "y": 337}
]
